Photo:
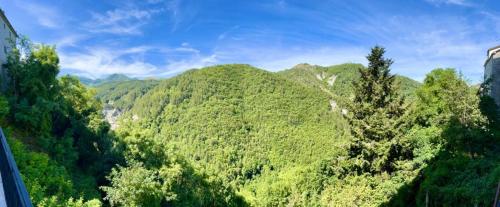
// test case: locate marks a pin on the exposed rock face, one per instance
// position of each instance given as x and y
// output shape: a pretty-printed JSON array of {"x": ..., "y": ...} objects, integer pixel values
[
  {"x": 320, "y": 76},
  {"x": 135, "y": 117},
  {"x": 111, "y": 115},
  {"x": 333, "y": 104},
  {"x": 344, "y": 112},
  {"x": 331, "y": 80}
]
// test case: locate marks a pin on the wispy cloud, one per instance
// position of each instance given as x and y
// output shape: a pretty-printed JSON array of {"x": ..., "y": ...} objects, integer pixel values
[
  {"x": 95, "y": 62},
  {"x": 120, "y": 21},
  {"x": 422, "y": 43},
  {"x": 225, "y": 33},
  {"x": 451, "y": 2},
  {"x": 155, "y": 1},
  {"x": 272, "y": 35},
  {"x": 69, "y": 40},
  {"x": 99, "y": 61},
  {"x": 44, "y": 15},
  {"x": 275, "y": 58},
  {"x": 174, "y": 67}
]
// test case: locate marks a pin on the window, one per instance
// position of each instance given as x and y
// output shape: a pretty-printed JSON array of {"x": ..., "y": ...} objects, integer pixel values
[{"x": 5, "y": 49}]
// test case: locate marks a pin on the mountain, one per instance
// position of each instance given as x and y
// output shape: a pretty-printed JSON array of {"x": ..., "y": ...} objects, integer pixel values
[
  {"x": 263, "y": 133},
  {"x": 111, "y": 78},
  {"x": 119, "y": 96},
  {"x": 337, "y": 81},
  {"x": 240, "y": 124},
  {"x": 123, "y": 94}
]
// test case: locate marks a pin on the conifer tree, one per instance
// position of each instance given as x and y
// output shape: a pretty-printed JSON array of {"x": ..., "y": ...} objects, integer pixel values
[{"x": 375, "y": 117}]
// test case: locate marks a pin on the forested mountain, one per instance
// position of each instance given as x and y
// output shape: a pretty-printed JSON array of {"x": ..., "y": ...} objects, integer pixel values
[
  {"x": 236, "y": 135},
  {"x": 338, "y": 80},
  {"x": 109, "y": 79},
  {"x": 123, "y": 94},
  {"x": 253, "y": 131},
  {"x": 277, "y": 139}
]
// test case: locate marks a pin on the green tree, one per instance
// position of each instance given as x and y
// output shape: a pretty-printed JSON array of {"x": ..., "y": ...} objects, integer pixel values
[
  {"x": 32, "y": 84},
  {"x": 136, "y": 186},
  {"x": 465, "y": 170},
  {"x": 62, "y": 120},
  {"x": 375, "y": 117},
  {"x": 4, "y": 107}
]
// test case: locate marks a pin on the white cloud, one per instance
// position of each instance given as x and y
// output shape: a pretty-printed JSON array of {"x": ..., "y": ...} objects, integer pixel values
[
  {"x": 45, "y": 16},
  {"x": 120, "y": 21},
  {"x": 225, "y": 33},
  {"x": 177, "y": 66},
  {"x": 69, "y": 41},
  {"x": 185, "y": 48},
  {"x": 417, "y": 43},
  {"x": 181, "y": 13},
  {"x": 421, "y": 44},
  {"x": 280, "y": 58},
  {"x": 155, "y": 1},
  {"x": 451, "y": 2},
  {"x": 96, "y": 62}
]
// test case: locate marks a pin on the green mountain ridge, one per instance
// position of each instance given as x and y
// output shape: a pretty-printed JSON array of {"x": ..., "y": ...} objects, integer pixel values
[
  {"x": 116, "y": 77},
  {"x": 257, "y": 131},
  {"x": 240, "y": 124},
  {"x": 336, "y": 81}
]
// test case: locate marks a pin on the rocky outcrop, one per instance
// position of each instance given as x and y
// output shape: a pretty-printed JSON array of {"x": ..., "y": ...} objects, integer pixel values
[
  {"x": 331, "y": 80},
  {"x": 111, "y": 115},
  {"x": 333, "y": 104}
]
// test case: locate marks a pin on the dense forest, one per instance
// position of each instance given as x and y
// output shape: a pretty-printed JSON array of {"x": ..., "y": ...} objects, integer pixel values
[{"x": 236, "y": 135}]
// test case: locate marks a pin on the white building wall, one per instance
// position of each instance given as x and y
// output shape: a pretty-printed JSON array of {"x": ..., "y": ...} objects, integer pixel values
[
  {"x": 492, "y": 74},
  {"x": 7, "y": 38}
]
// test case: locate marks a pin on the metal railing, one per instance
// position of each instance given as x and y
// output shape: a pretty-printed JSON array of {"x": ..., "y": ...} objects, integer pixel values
[{"x": 15, "y": 191}]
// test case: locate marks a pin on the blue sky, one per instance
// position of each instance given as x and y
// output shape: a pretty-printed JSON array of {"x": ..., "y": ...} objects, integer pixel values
[{"x": 162, "y": 38}]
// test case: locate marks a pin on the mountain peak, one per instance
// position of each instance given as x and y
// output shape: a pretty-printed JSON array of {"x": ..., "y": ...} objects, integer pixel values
[
  {"x": 303, "y": 66},
  {"x": 115, "y": 77}
]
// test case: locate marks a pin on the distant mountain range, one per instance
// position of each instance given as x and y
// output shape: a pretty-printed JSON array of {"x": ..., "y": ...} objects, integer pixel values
[{"x": 111, "y": 78}]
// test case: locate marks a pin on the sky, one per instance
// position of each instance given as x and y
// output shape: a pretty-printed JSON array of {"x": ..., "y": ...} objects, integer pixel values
[{"x": 162, "y": 38}]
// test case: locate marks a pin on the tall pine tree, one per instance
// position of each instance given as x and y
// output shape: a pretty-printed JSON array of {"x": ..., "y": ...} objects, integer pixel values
[{"x": 376, "y": 117}]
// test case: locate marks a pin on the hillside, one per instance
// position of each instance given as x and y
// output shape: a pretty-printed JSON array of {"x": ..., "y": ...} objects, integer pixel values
[
  {"x": 123, "y": 94},
  {"x": 260, "y": 132},
  {"x": 238, "y": 135},
  {"x": 242, "y": 125},
  {"x": 337, "y": 80},
  {"x": 120, "y": 96},
  {"x": 108, "y": 79}
]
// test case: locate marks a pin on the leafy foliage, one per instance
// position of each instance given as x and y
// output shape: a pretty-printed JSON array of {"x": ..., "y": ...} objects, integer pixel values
[
  {"x": 122, "y": 95},
  {"x": 239, "y": 128},
  {"x": 70, "y": 147}
]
